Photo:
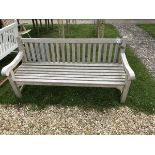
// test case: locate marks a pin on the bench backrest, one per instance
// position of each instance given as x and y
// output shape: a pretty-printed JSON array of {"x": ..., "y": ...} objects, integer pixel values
[
  {"x": 8, "y": 39},
  {"x": 71, "y": 50}
]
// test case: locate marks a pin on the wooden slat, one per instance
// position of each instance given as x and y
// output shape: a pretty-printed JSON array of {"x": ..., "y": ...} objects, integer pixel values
[
  {"x": 70, "y": 70},
  {"x": 89, "y": 53},
  {"x": 72, "y": 64},
  {"x": 63, "y": 52},
  {"x": 75, "y": 67},
  {"x": 69, "y": 78},
  {"x": 94, "y": 53},
  {"x": 105, "y": 53},
  {"x": 110, "y": 53},
  {"x": 83, "y": 53},
  {"x": 78, "y": 53},
  {"x": 68, "y": 53},
  {"x": 72, "y": 40},
  {"x": 115, "y": 53},
  {"x": 37, "y": 52},
  {"x": 73, "y": 53},
  {"x": 53, "y": 52},
  {"x": 1, "y": 45},
  {"x": 9, "y": 38},
  {"x": 99, "y": 53},
  {"x": 47, "y": 52},
  {"x": 57, "y": 53},
  {"x": 42, "y": 52},
  {"x": 72, "y": 73},
  {"x": 27, "y": 50},
  {"x": 32, "y": 52},
  {"x": 4, "y": 40},
  {"x": 70, "y": 83}
]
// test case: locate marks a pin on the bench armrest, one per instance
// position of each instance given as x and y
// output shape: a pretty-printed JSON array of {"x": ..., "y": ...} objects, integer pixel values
[
  {"x": 7, "y": 69},
  {"x": 129, "y": 71}
]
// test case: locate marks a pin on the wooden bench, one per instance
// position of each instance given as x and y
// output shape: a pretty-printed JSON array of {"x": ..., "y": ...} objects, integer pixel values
[
  {"x": 8, "y": 39},
  {"x": 81, "y": 62}
]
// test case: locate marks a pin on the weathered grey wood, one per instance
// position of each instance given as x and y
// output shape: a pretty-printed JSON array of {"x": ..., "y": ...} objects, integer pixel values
[
  {"x": 7, "y": 42},
  {"x": 21, "y": 74},
  {"x": 7, "y": 69},
  {"x": 125, "y": 91},
  {"x": 110, "y": 53},
  {"x": 15, "y": 87},
  {"x": 37, "y": 52},
  {"x": 58, "y": 52},
  {"x": 68, "y": 53},
  {"x": 94, "y": 53},
  {"x": 47, "y": 52},
  {"x": 78, "y": 53},
  {"x": 42, "y": 52},
  {"x": 105, "y": 53},
  {"x": 115, "y": 53},
  {"x": 99, "y": 53},
  {"x": 32, "y": 52},
  {"x": 130, "y": 73},
  {"x": 72, "y": 40},
  {"x": 63, "y": 52},
  {"x": 83, "y": 53},
  {"x": 89, "y": 53},
  {"x": 73, "y": 53},
  {"x": 28, "y": 52},
  {"x": 72, "y": 62},
  {"x": 53, "y": 52}
]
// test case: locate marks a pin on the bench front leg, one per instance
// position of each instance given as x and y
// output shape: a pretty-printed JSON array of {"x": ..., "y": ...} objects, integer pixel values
[
  {"x": 125, "y": 90},
  {"x": 14, "y": 85}
]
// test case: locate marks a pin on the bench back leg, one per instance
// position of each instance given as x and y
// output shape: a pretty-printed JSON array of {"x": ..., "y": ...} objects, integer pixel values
[
  {"x": 125, "y": 91},
  {"x": 15, "y": 87}
]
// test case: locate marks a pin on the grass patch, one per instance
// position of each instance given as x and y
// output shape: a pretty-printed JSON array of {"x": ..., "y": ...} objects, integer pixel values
[
  {"x": 76, "y": 31},
  {"x": 141, "y": 95},
  {"x": 150, "y": 28}
]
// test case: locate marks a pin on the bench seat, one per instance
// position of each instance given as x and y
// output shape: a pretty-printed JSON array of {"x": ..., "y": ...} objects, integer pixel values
[{"x": 70, "y": 74}]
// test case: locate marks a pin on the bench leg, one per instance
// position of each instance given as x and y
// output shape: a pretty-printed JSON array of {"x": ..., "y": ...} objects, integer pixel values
[
  {"x": 125, "y": 91},
  {"x": 15, "y": 87}
]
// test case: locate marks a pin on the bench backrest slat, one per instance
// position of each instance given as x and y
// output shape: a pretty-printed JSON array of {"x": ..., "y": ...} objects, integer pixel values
[{"x": 74, "y": 50}]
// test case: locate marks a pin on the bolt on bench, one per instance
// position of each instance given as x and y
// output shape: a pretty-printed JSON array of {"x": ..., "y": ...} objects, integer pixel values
[{"x": 81, "y": 62}]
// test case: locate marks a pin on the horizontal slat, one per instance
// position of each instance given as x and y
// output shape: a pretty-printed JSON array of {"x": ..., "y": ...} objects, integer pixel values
[
  {"x": 72, "y": 70},
  {"x": 68, "y": 73},
  {"x": 72, "y": 67},
  {"x": 71, "y": 75},
  {"x": 72, "y": 40},
  {"x": 71, "y": 64},
  {"x": 68, "y": 82},
  {"x": 69, "y": 78}
]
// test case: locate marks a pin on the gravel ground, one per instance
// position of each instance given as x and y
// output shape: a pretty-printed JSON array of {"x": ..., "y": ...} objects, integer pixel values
[
  {"x": 142, "y": 43},
  {"x": 74, "y": 120}
]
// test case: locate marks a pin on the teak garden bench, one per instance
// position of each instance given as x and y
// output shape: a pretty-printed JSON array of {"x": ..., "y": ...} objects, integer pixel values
[{"x": 81, "y": 62}]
